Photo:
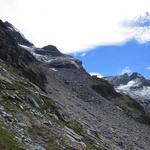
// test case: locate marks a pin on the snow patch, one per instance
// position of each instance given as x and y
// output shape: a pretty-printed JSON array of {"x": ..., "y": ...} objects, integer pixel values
[
  {"x": 135, "y": 89},
  {"x": 48, "y": 59},
  {"x": 96, "y": 74},
  {"x": 130, "y": 84},
  {"x": 53, "y": 69},
  {"x": 30, "y": 49},
  {"x": 74, "y": 63}
]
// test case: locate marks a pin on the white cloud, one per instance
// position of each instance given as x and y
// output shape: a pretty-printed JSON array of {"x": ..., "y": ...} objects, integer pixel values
[
  {"x": 96, "y": 74},
  {"x": 125, "y": 70},
  {"x": 148, "y": 68},
  {"x": 76, "y": 25},
  {"x": 83, "y": 54}
]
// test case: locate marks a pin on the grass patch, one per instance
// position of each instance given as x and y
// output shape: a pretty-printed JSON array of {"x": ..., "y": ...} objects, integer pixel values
[
  {"x": 8, "y": 86},
  {"x": 144, "y": 119},
  {"x": 76, "y": 126},
  {"x": 7, "y": 140},
  {"x": 53, "y": 144},
  {"x": 49, "y": 105},
  {"x": 90, "y": 144}
]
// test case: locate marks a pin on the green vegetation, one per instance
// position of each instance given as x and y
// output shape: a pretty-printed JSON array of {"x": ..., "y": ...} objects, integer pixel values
[
  {"x": 144, "y": 118},
  {"x": 49, "y": 105},
  {"x": 8, "y": 86},
  {"x": 90, "y": 144},
  {"x": 52, "y": 143},
  {"x": 76, "y": 126},
  {"x": 7, "y": 140}
]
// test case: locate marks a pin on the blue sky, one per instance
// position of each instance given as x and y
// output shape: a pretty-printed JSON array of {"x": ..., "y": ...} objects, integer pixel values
[{"x": 112, "y": 60}]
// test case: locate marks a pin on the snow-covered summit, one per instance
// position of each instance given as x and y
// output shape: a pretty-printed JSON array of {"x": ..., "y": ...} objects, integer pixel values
[{"x": 135, "y": 85}]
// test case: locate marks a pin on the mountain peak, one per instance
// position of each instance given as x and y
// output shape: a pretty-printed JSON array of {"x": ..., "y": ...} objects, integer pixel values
[
  {"x": 135, "y": 75},
  {"x": 2, "y": 24},
  {"x": 49, "y": 50},
  {"x": 135, "y": 85},
  {"x": 48, "y": 54},
  {"x": 125, "y": 78},
  {"x": 49, "y": 47},
  {"x": 125, "y": 75},
  {"x": 17, "y": 35}
]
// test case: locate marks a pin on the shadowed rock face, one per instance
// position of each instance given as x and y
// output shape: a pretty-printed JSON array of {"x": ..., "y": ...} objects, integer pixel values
[
  {"x": 104, "y": 88},
  {"x": 18, "y": 37},
  {"x": 49, "y": 50},
  {"x": 18, "y": 57},
  {"x": 9, "y": 50},
  {"x": 50, "y": 102}
]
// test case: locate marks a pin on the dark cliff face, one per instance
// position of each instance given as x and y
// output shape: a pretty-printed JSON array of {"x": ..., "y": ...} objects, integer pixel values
[
  {"x": 10, "y": 51},
  {"x": 18, "y": 57},
  {"x": 18, "y": 37},
  {"x": 104, "y": 88},
  {"x": 49, "y": 50}
]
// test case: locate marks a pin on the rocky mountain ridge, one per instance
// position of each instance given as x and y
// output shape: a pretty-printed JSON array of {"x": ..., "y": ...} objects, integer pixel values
[
  {"x": 48, "y": 54},
  {"x": 135, "y": 86},
  {"x": 49, "y": 102}
]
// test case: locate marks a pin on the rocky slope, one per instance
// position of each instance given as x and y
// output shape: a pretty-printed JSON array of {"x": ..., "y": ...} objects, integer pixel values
[
  {"x": 49, "y": 102},
  {"x": 135, "y": 86}
]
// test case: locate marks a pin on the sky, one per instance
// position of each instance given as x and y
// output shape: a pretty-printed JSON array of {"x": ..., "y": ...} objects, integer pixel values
[
  {"x": 111, "y": 35},
  {"x": 119, "y": 59}
]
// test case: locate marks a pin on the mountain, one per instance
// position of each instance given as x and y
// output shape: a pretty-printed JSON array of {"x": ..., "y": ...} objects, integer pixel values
[
  {"x": 135, "y": 86},
  {"x": 48, "y": 54},
  {"x": 15, "y": 33},
  {"x": 49, "y": 102}
]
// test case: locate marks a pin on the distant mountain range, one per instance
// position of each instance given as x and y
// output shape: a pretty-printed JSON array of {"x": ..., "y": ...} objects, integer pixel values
[{"x": 135, "y": 86}]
